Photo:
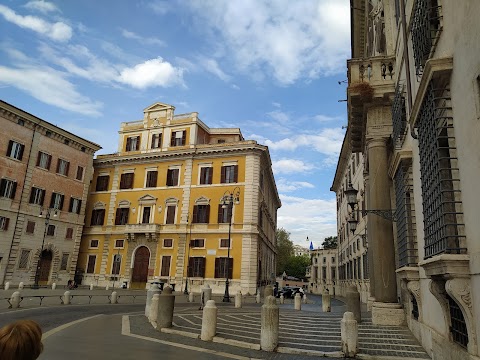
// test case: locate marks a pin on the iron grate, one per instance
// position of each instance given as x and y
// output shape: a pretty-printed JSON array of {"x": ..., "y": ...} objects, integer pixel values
[
  {"x": 458, "y": 326},
  {"x": 442, "y": 206},
  {"x": 399, "y": 118},
  {"x": 415, "y": 312}
]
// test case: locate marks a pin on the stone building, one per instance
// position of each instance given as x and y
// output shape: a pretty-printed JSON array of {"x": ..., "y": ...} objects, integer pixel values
[
  {"x": 45, "y": 173},
  {"x": 323, "y": 273},
  {"x": 413, "y": 111},
  {"x": 158, "y": 209},
  {"x": 299, "y": 250}
]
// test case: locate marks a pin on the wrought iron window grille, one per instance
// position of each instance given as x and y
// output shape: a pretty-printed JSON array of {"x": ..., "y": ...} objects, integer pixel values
[
  {"x": 415, "y": 312},
  {"x": 399, "y": 116},
  {"x": 458, "y": 327}
]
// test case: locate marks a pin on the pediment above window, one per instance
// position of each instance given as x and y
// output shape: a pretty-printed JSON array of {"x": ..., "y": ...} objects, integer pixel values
[
  {"x": 99, "y": 205},
  {"x": 202, "y": 201},
  {"x": 147, "y": 200}
]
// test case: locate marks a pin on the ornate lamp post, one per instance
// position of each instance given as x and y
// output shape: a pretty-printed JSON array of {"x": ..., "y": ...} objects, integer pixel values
[
  {"x": 47, "y": 213},
  {"x": 188, "y": 259},
  {"x": 228, "y": 199}
]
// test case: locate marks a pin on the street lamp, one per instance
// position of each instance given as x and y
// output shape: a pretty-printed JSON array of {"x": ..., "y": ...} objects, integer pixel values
[
  {"x": 227, "y": 201},
  {"x": 188, "y": 258},
  {"x": 47, "y": 213}
]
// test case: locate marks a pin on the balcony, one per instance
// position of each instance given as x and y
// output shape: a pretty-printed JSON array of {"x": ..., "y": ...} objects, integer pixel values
[
  {"x": 370, "y": 81},
  {"x": 150, "y": 231}
]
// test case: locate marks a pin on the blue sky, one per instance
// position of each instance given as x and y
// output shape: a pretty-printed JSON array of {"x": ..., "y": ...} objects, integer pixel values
[{"x": 269, "y": 67}]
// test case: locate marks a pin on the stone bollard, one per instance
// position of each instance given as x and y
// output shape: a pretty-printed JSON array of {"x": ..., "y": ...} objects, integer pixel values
[
  {"x": 282, "y": 299},
  {"x": 353, "y": 302},
  {"x": 270, "y": 325},
  {"x": 268, "y": 291},
  {"x": 304, "y": 298},
  {"x": 54, "y": 286},
  {"x": 209, "y": 321},
  {"x": 205, "y": 296},
  {"x": 349, "y": 334},
  {"x": 150, "y": 292},
  {"x": 91, "y": 286},
  {"x": 7, "y": 285},
  {"x": 257, "y": 298},
  {"x": 15, "y": 300},
  {"x": 66, "y": 298},
  {"x": 154, "y": 308},
  {"x": 238, "y": 299},
  {"x": 20, "y": 286},
  {"x": 298, "y": 302},
  {"x": 166, "y": 305},
  {"x": 326, "y": 302},
  {"x": 191, "y": 297},
  {"x": 114, "y": 298},
  {"x": 107, "y": 287}
]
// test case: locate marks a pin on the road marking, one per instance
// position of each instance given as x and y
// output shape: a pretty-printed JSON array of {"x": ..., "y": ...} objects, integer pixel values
[
  {"x": 126, "y": 332},
  {"x": 64, "y": 326}
]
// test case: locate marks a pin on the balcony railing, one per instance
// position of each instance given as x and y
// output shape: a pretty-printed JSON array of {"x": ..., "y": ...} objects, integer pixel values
[
  {"x": 150, "y": 231},
  {"x": 378, "y": 70}
]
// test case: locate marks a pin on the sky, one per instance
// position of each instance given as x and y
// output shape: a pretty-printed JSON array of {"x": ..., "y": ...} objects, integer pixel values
[{"x": 273, "y": 68}]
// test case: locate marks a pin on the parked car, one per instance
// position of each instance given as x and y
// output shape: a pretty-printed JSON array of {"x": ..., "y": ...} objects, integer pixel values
[{"x": 289, "y": 292}]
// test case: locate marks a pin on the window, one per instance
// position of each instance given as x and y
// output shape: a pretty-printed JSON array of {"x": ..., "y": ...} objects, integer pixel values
[
  {"x": 117, "y": 261},
  {"x": 165, "y": 271},
  {"x": 30, "y": 227},
  {"x": 24, "y": 256},
  {"x": 196, "y": 267},
  {"x": 147, "y": 210},
  {"x": 91, "y": 264},
  {"x": 75, "y": 205},
  {"x": 178, "y": 138},
  {"x": 119, "y": 243},
  {"x": 206, "y": 174},
  {"x": 333, "y": 259},
  {"x": 80, "y": 170},
  {"x": 224, "y": 243},
  {"x": 8, "y": 188},
  {"x": 324, "y": 273},
  {"x": 156, "y": 141},
  {"x": 223, "y": 267},
  {"x": 334, "y": 275},
  {"x": 167, "y": 243},
  {"x": 98, "y": 217},
  {"x": 102, "y": 183},
  {"x": 324, "y": 260},
  {"x": 229, "y": 174},
  {"x": 56, "y": 201},
  {"x": 94, "y": 244},
  {"x": 151, "y": 179},
  {"x": 121, "y": 216},
  {"x": 133, "y": 143},
  {"x": 197, "y": 243},
  {"x": 221, "y": 141},
  {"x": 63, "y": 167},
  {"x": 15, "y": 150},
  {"x": 69, "y": 233},
  {"x": 4, "y": 223},
  {"x": 64, "y": 263},
  {"x": 126, "y": 181},
  {"x": 51, "y": 230},
  {"x": 414, "y": 307},
  {"x": 459, "y": 326},
  {"x": 223, "y": 214},
  {"x": 172, "y": 177},
  {"x": 44, "y": 160},
  {"x": 170, "y": 214},
  {"x": 201, "y": 214},
  {"x": 36, "y": 196}
]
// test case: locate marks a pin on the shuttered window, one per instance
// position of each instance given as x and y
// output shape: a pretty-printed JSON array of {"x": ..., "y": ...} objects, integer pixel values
[
  {"x": 151, "y": 179},
  {"x": 206, "y": 174},
  {"x": 229, "y": 174},
  {"x": 15, "y": 150},
  {"x": 121, "y": 216},
  {"x": 170, "y": 214},
  {"x": 102, "y": 183},
  {"x": 64, "y": 263},
  {"x": 80, "y": 170},
  {"x": 30, "y": 227},
  {"x": 56, "y": 201},
  {"x": 223, "y": 214},
  {"x": 98, "y": 217},
  {"x": 4, "y": 223},
  {"x": 133, "y": 143},
  {"x": 91, "y": 264},
  {"x": 197, "y": 243},
  {"x": 63, "y": 167},
  {"x": 196, "y": 267},
  {"x": 201, "y": 214},
  {"x": 165, "y": 271},
  {"x": 44, "y": 160},
  {"x": 126, "y": 181},
  {"x": 223, "y": 267},
  {"x": 156, "y": 141},
  {"x": 172, "y": 177},
  {"x": 8, "y": 188},
  {"x": 75, "y": 205},
  {"x": 37, "y": 196},
  {"x": 69, "y": 233},
  {"x": 24, "y": 256},
  {"x": 179, "y": 138}
]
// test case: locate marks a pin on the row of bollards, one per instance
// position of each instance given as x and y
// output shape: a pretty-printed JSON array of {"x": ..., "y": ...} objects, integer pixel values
[{"x": 21, "y": 286}]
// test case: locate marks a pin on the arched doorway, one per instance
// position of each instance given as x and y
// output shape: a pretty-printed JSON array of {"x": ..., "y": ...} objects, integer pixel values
[
  {"x": 44, "y": 267},
  {"x": 140, "y": 268}
]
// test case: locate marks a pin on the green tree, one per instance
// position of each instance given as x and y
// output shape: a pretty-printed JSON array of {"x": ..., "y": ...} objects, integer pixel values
[
  {"x": 284, "y": 249},
  {"x": 297, "y": 266},
  {"x": 330, "y": 242}
]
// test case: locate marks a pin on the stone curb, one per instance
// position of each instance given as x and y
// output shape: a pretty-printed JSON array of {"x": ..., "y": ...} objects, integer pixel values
[
  {"x": 238, "y": 343},
  {"x": 294, "y": 351},
  {"x": 180, "y": 332},
  {"x": 383, "y": 357}
]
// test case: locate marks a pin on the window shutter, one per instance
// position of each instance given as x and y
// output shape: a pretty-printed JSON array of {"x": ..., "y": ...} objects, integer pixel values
[
  {"x": 207, "y": 214},
  {"x": 127, "y": 146},
  {"x": 20, "y": 155},
  {"x": 153, "y": 178},
  {"x": 117, "y": 216},
  {"x": 42, "y": 196},
  {"x": 14, "y": 190},
  {"x": 202, "y": 267},
  {"x": 9, "y": 149},
  {"x": 195, "y": 214},
  {"x": 137, "y": 145},
  {"x": 49, "y": 161},
  {"x": 3, "y": 185},
  {"x": 70, "y": 206},
  {"x": 52, "y": 200},
  {"x": 217, "y": 270},
  {"x": 60, "y": 207},
  {"x": 175, "y": 177},
  {"x": 102, "y": 216},
  {"x": 235, "y": 174},
  {"x": 190, "y": 267},
  {"x": 79, "y": 206},
  {"x": 7, "y": 220},
  {"x": 38, "y": 158},
  {"x": 160, "y": 140},
  {"x": 184, "y": 137},
  {"x": 209, "y": 175},
  {"x": 222, "y": 175},
  {"x": 172, "y": 142},
  {"x": 58, "y": 165},
  {"x": 67, "y": 168},
  {"x": 220, "y": 213}
]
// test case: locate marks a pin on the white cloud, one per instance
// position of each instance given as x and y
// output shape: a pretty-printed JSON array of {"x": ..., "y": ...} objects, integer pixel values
[
  {"x": 291, "y": 166},
  {"x": 151, "y": 73},
  {"x": 143, "y": 40},
  {"x": 58, "y": 31},
  {"x": 302, "y": 217},
  {"x": 290, "y": 40},
  {"x": 160, "y": 7},
  {"x": 42, "y": 6},
  {"x": 235, "y": 87},
  {"x": 276, "y": 104},
  {"x": 50, "y": 87},
  {"x": 212, "y": 67},
  {"x": 279, "y": 116},
  {"x": 284, "y": 185},
  {"x": 325, "y": 118}
]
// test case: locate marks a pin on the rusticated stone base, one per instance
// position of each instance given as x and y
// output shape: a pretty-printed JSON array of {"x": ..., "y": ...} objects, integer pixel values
[{"x": 387, "y": 314}]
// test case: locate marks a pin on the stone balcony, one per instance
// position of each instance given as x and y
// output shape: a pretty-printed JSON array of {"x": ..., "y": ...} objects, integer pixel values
[
  {"x": 370, "y": 81},
  {"x": 150, "y": 231}
]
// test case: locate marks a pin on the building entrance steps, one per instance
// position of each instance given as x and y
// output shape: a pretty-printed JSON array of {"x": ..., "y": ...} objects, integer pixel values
[{"x": 309, "y": 331}]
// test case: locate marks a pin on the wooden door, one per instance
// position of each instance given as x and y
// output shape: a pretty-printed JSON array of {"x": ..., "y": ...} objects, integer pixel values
[
  {"x": 146, "y": 215},
  {"x": 45, "y": 264},
  {"x": 140, "y": 267}
]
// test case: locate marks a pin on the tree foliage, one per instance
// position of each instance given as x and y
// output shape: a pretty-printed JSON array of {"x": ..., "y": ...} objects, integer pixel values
[
  {"x": 297, "y": 266},
  {"x": 330, "y": 242},
  {"x": 284, "y": 249}
]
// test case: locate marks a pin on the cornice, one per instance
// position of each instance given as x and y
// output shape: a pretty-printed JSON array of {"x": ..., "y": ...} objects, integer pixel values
[{"x": 398, "y": 157}]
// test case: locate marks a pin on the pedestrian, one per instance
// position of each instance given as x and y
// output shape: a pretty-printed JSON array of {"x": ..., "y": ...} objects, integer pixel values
[{"x": 21, "y": 340}]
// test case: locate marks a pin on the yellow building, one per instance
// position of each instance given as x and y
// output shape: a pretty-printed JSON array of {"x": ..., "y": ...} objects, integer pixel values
[{"x": 158, "y": 210}]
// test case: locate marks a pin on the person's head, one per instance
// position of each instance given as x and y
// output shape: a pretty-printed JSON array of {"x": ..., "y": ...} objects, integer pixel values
[{"x": 21, "y": 340}]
